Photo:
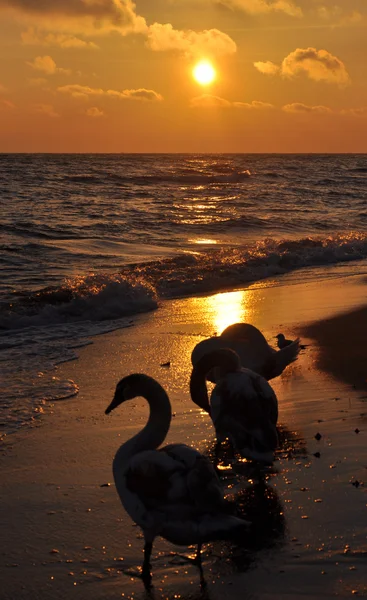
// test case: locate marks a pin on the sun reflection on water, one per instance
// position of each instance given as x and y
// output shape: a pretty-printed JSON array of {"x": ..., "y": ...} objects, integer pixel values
[{"x": 226, "y": 308}]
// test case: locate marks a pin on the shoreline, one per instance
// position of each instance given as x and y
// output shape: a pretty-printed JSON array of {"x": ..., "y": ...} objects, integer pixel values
[
  {"x": 68, "y": 535},
  {"x": 341, "y": 346}
]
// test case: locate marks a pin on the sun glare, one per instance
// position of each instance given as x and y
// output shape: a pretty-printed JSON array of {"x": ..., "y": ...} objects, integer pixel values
[{"x": 204, "y": 72}]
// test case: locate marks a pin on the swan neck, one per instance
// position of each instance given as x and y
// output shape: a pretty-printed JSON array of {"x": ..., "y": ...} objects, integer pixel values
[
  {"x": 198, "y": 389},
  {"x": 156, "y": 429}
]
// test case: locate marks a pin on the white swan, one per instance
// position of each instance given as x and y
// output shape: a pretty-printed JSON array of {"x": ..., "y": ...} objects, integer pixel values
[
  {"x": 243, "y": 405},
  {"x": 172, "y": 492},
  {"x": 252, "y": 348}
]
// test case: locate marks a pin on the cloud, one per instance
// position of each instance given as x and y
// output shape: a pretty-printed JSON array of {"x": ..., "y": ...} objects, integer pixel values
[
  {"x": 80, "y": 91},
  {"x": 267, "y": 68},
  {"x": 47, "y": 65},
  {"x": 6, "y": 104},
  {"x": 45, "y": 109},
  {"x": 254, "y": 105},
  {"x": 36, "y": 81},
  {"x": 336, "y": 13},
  {"x": 94, "y": 112},
  {"x": 33, "y": 37},
  {"x": 84, "y": 92},
  {"x": 298, "y": 107},
  {"x": 163, "y": 38},
  {"x": 355, "y": 112},
  {"x": 82, "y": 16},
  {"x": 59, "y": 22},
  {"x": 318, "y": 65},
  {"x": 143, "y": 94},
  {"x": 209, "y": 101},
  {"x": 259, "y": 7}
]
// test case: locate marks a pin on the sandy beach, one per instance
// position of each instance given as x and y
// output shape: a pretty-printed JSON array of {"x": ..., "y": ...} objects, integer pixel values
[{"x": 66, "y": 534}]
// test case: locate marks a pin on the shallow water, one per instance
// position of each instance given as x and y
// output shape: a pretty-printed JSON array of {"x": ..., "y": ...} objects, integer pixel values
[{"x": 90, "y": 241}]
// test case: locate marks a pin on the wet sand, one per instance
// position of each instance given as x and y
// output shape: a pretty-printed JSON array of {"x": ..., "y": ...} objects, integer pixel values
[
  {"x": 67, "y": 535},
  {"x": 342, "y": 346}
]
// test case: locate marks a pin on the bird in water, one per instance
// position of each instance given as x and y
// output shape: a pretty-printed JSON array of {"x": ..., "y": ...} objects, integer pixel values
[
  {"x": 283, "y": 342},
  {"x": 174, "y": 491},
  {"x": 243, "y": 406},
  {"x": 252, "y": 348}
]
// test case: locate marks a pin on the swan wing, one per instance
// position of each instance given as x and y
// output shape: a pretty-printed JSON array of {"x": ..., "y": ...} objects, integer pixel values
[
  {"x": 171, "y": 478},
  {"x": 265, "y": 395},
  {"x": 182, "y": 454},
  {"x": 203, "y": 487},
  {"x": 233, "y": 394},
  {"x": 254, "y": 354},
  {"x": 244, "y": 409},
  {"x": 205, "y": 529},
  {"x": 244, "y": 331},
  {"x": 175, "y": 492}
]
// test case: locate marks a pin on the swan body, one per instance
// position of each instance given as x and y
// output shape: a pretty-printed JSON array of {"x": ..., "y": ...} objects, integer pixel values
[
  {"x": 173, "y": 491},
  {"x": 252, "y": 348},
  {"x": 243, "y": 406}
]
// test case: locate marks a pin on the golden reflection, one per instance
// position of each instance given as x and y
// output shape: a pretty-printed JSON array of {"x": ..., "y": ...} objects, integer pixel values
[
  {"x": 203, "y": 241},
  {"x": 228, "y": 308}
]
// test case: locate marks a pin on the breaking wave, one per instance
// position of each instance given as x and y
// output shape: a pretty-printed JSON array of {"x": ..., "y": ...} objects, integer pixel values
[{"x": 137, "y": 288}]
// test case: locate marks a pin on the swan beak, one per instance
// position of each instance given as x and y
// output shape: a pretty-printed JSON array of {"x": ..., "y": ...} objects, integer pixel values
[{"x": 111, "y": 406}]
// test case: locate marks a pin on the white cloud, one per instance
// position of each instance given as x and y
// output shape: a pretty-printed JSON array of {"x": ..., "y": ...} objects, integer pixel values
[
  {"x": 33, "y": 37},
  {"x": 267, "y": 68},
  {"x": 212, "y": 42},
  {"x": 61, "y": 22},
  {"x": 143, "y": 95},
  {"x": 207, "y": 100},
  {"x": 298, "y": 107},
  {"x": 6, "y": 104},
  {"x": 338, "y": 15},
  {"x": 84, "y": 92},
  {"x": 254, "y": 105},
  {"x": 355, "y": 112},
  {"x": 81, "y": 16},
  {"x": 37, "y": 81},
  {"x": 318, "y": 65},
  {"x": 260, "y": 7},
  {"x": 47, "y": 65},
  {"x": 94, "y": 112},
  {"x": 210, "y": 101},
  {"x": 45, "y": 109}
]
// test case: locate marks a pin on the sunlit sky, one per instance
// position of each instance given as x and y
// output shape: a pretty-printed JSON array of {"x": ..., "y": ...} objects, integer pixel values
[{"x": 117, "y": 76}]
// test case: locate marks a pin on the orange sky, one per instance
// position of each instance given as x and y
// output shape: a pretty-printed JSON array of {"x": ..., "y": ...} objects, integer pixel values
[{"x": 115, "y": 76}]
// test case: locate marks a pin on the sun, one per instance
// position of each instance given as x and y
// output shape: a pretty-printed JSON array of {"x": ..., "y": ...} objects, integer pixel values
[{"x": 204, "y": 72}]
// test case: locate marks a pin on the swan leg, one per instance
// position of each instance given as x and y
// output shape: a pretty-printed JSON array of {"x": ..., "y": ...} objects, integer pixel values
[
  {"x": 197, "y": 559},
  {"x": 146, "y": 574}
]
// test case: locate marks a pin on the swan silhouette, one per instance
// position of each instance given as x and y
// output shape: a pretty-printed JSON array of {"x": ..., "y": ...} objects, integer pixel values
[
  {"x": 252, "y": 348},
  {"x": 243, "y": 406},
  {"x": 173, "y": 492}
]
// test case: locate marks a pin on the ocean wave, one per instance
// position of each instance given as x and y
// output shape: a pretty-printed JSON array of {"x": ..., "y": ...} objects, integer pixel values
[
  {"x": 138, "y": 288},
  {"x": 358, "y": 170},
  {"x": 187, "y": 178},
  {"x": 88, "y": 298}
]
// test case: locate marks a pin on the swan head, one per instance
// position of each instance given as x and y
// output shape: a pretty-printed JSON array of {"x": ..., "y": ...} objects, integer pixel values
[
  {"x": 125, "y": 390},
  {"x": 224, "y": 359},
  {"x": 217, "y": 364}
]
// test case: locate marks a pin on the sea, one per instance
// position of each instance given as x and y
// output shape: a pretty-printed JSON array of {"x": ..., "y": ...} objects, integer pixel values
[{"x": 89, "y": 241}]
